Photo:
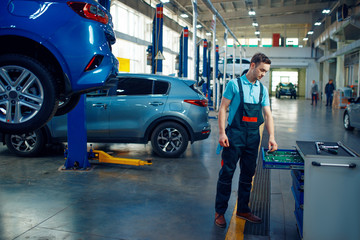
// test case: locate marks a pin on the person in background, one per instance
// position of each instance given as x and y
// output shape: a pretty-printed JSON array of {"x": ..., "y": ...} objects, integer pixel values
[
  {"x": 329, "y": 91},
  {"x": 248, "y": 103},
  {"x": 314, "y": 92}
]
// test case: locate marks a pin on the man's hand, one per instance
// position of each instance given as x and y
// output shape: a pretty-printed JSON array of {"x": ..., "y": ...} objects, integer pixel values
[
  {"x": 272, "y": 145},
  {"x": 223, "y": 140}
]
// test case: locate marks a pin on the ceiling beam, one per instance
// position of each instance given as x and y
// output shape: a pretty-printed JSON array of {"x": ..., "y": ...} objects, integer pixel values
[{"x": 281, "y": 11}]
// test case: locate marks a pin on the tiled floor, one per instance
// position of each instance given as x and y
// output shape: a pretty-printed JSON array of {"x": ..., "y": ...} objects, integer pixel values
[{"x": 172, "y": 199}]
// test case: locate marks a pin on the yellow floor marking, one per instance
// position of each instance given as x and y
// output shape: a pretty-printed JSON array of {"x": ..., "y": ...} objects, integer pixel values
[{"x": 237, "y": 225}]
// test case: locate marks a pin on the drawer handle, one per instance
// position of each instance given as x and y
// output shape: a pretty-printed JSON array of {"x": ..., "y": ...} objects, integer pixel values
[{"x": 350, "y": 165}]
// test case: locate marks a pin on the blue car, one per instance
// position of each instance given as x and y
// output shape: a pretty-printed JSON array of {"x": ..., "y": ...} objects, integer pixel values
[
  {"x": 50, "y": 53},
  {"x": 167, "y": 111}
]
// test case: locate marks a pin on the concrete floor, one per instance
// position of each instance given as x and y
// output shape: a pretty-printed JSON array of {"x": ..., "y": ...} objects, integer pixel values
[{"x": 172, "y": 199}]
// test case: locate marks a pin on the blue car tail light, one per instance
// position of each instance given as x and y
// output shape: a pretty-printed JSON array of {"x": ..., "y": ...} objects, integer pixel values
[{"x": 89, "y": 11}]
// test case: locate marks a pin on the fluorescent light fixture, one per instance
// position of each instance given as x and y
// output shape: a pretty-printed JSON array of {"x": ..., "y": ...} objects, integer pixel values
[
  {"x": 164, "y": 1},
  {"x": 208, "y": 34},
  {"x": 317, "y": 23},
  {"x": 326, "y": 11},
  {"x": 252, "y": 13},
  {"x": 310, "y": 32},
  {"x": 184, "y": 15},
  {"x": 255, "y": 24},
  {"x": 305, "y": 39},
  {"x": 257, "y": 32},
  {"x": 198, "y": 26}
]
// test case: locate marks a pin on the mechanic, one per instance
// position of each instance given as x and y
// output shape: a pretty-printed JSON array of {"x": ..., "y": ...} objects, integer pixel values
[{"x": 248, "y": 103}]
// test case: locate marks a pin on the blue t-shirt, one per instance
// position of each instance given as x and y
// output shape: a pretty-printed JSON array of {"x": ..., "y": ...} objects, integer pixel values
[{"x": 251, "y": 95}]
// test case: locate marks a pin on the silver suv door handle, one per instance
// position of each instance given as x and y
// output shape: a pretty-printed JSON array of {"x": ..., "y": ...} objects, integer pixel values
[
  {"x": 156, "y": 103},
  {"x": 100, "y": 105}
]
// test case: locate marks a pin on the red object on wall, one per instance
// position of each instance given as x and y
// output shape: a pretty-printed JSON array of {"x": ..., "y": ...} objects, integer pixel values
[{"x": 276, "y": 38}]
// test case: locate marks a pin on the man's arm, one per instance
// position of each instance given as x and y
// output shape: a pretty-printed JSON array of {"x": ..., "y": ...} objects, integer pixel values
[
  {"x": 269, "y": 124},
  {"x": 223, "y": 139}
]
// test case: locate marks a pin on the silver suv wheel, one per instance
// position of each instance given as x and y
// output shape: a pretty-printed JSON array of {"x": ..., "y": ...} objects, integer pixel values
[
  {"x": 169, "y": 139},
  {"x": 27, "y": 144}
]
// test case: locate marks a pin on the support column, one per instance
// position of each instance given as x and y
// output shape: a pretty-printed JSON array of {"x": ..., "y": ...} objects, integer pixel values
[{"x": 340, "y": 76}]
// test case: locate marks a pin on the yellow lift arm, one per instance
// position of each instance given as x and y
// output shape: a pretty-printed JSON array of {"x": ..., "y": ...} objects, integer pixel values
[{"x": 106, "y": 158}]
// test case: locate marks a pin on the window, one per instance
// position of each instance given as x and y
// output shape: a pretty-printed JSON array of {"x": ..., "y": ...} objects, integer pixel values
[
  {"x": 134, "y": 86},
  {"x": 98, "y": 93},
  {"x": 161, "y": 87}
]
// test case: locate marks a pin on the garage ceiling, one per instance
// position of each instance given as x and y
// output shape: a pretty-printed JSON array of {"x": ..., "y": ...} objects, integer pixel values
[{"x": 290, "y": 18}]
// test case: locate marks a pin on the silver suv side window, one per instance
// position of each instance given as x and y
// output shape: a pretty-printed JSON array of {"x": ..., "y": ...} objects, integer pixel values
[
  {"x": 134, "y": 86},
  {"x": 161, "y": 87}
]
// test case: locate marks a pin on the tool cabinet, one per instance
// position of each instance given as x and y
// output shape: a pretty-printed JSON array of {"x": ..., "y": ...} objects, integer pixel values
[{"x": 326, "y": 189}]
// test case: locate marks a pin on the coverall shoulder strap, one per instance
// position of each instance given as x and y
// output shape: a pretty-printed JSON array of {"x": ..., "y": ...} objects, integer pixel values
[
  {"x": 261, "y": 92},
  {"x": 241, "y": 92}
]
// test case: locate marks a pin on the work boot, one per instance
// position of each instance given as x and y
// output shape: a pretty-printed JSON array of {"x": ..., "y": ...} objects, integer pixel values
[
  {"x": 220, "y": 220},
  {"x": 249, "y": 217}
]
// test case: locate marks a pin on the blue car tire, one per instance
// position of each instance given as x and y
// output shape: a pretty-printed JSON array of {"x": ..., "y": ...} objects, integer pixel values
[
  {"x": 68, "y": 104},
  {"x": 28, "y": 95}
]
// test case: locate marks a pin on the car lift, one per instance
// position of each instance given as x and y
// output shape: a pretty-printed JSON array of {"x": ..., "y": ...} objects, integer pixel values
[
  {"x": 156, "y": 49},
  {"x": 183, "y": 53},
  {"x": 77, "y": 157}
]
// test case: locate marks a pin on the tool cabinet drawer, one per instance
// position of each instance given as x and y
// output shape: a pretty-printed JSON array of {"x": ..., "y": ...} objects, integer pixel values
[{"x": 282, "y": 159}]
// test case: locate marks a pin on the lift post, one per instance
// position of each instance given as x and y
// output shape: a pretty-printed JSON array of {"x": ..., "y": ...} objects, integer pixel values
[
  {"x": 76, "y": 154},
  {"x": 204, "y": 73},
  {"x": 183, "y": 53},
  {"x": 208, "y": 74},
  {"x": 197, "y": 63},
  {"x": 217, "y": 85},
  {"x": 157, "y": 41}
]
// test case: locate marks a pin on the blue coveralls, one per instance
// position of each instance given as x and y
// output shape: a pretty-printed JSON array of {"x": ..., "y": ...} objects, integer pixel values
[{"x": 244, "y": 138}]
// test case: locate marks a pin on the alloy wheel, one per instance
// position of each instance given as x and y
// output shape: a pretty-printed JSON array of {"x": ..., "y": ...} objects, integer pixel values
[{"x": 21, "y": 94}]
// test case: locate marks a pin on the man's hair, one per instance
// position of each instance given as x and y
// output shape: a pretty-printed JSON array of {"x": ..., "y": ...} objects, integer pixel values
[{"x": 260, "y": 58}]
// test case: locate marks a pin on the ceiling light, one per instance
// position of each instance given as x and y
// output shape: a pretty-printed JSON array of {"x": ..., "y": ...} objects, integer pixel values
[
  {"x": 252, "y": 13},
  {"x": 317, "y": 23},
  {"x": 255, "y": 24},
  {"x": 164, "y": 1},
  {"x": 310, "y": 32},
  {"x": 257, "y": 32},
  {"x": 208, "y": 34},
  {"x": 184, "y": 15},
  {"x": 198, "y": 26},
  {"x": 305, "y": 39},
  {"x": 326, "y": 11}
]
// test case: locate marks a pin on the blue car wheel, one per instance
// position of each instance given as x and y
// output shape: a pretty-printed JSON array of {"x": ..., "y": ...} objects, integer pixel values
[{"x": 28, "y": 96}]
